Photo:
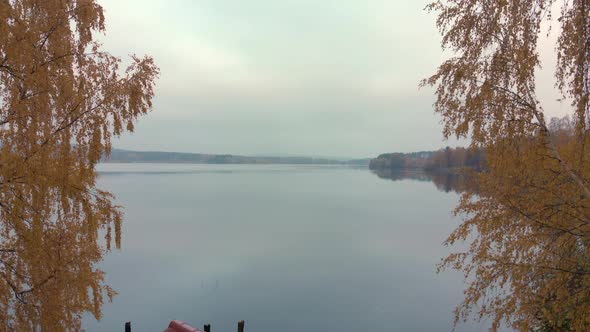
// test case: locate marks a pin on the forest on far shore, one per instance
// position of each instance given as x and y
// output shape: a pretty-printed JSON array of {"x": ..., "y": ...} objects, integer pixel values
[
  {"x": 444, "y": 159},
  {"x": 562, "y": 130}
]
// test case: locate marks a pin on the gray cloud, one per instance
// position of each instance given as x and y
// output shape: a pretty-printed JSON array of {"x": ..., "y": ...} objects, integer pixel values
[{"x": 307, "y": 77}]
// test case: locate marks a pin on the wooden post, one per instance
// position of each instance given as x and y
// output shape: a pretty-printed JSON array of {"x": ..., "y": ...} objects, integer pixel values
[
  {"x": 128, "y": 327},
  {"x": 207, "y": 328},
  {"x": 241, "y": 326}
]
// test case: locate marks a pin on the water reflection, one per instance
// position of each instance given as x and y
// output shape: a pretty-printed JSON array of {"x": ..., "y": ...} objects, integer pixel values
[
  {"x": 273, "y": 251},
  {"x": 283, "y": 248},
  {"x": 457, "y": 182}
]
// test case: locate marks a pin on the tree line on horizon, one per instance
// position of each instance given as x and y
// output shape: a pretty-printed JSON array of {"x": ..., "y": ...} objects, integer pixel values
[
  {"x": 562, "y": 129},
  {"x": 444, "y": 159},
  {"x": 128, "y": 156}
]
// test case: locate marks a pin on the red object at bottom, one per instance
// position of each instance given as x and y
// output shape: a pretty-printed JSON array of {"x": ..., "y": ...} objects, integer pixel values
[{"x": 180, "y": 326}]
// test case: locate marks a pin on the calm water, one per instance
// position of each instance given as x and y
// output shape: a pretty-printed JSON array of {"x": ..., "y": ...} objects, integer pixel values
[{"x": 285, "y": 248}]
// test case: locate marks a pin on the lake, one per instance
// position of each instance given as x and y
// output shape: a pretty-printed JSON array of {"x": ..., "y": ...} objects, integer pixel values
[{"x": 283, "y": 247}]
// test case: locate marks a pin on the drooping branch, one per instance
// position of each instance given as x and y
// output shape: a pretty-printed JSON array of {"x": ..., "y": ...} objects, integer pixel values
[
  {"x": 564, "y": 165},
  {"x": 538, "y": 114}
]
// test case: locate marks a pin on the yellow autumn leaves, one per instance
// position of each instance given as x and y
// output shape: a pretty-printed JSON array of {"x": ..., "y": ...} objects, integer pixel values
[
  {"x": 528, "y": 226},
  {"x": 61, "y": 100}
]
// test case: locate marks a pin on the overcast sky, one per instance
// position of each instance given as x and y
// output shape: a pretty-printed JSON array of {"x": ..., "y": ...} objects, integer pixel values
[{"x": 291, "y": 77}]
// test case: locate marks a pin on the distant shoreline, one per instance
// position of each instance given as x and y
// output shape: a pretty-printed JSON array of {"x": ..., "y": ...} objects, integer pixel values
[{"x": 129, "y": 156}]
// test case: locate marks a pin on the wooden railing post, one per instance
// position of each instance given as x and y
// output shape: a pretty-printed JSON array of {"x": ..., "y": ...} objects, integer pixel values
[
  {"x": 241, "y": 326},
  {"x": 128, "y": 327}
]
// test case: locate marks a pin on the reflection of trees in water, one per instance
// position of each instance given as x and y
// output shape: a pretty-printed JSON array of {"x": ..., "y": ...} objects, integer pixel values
[
  {"x": 458, "y": 182},
  {"x": 446, "y": 181}
]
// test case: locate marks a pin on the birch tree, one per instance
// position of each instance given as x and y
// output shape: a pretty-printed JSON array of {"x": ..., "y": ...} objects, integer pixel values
[
  {"x": 527, "y": 262},
  {"x": 62, "y": 99}
]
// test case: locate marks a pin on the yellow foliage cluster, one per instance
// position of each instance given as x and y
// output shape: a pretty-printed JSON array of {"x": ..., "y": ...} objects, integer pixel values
[
  {"x": 61, "y": 101},
  {"x": 527, "y": 263}
]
